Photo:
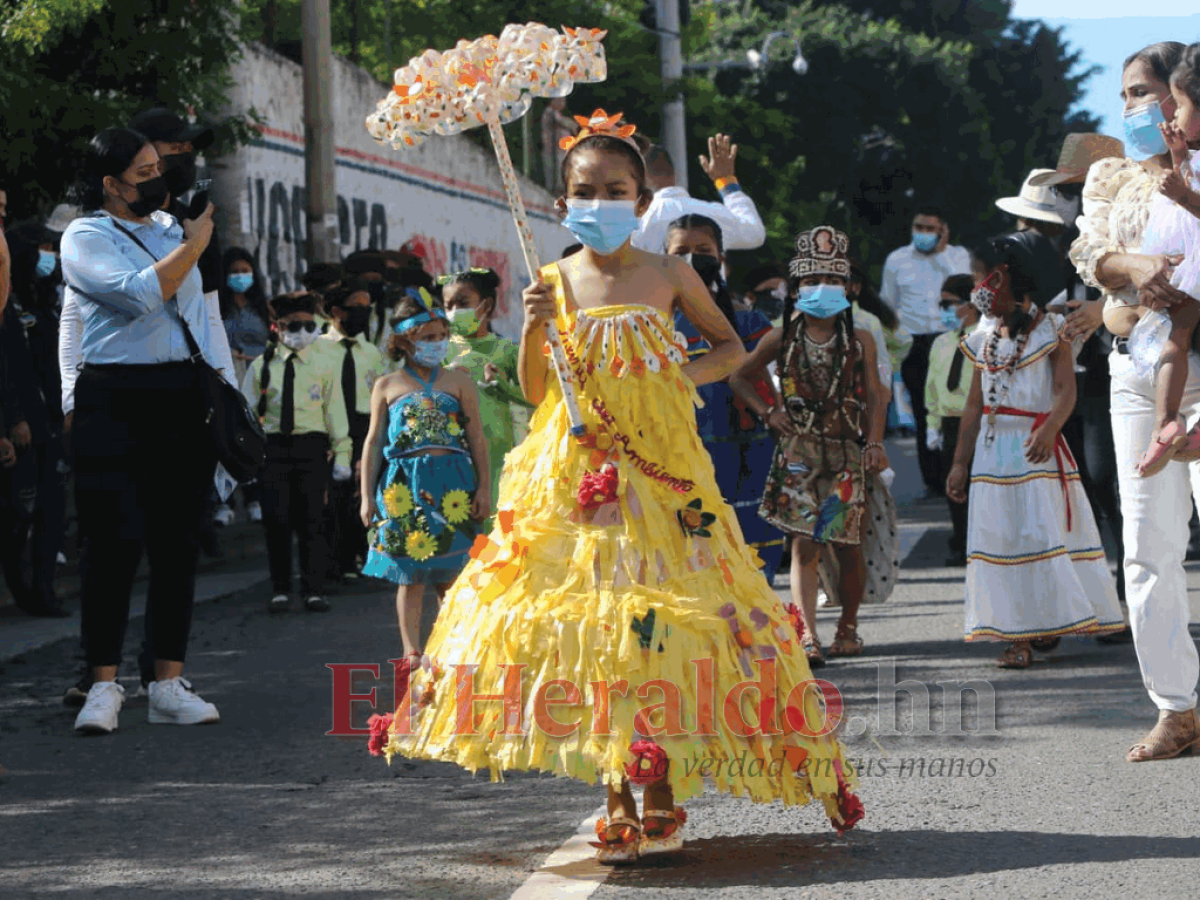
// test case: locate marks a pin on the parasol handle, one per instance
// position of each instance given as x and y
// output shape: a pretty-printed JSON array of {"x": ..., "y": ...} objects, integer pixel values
[{"x": 557, "y": 356}]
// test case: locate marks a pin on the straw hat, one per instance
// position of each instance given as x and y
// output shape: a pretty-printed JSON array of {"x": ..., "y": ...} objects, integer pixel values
[
  {"x": 1079, "y": 151},
  {"x": 1040, "y": 203}
]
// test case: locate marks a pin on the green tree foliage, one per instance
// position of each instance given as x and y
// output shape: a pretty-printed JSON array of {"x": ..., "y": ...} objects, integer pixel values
[
  {"x": 905, "y": 101},
  {"x": 69, "y": 68}
]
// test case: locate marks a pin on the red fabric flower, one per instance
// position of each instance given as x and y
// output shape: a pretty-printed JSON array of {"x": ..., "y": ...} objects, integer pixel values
[
  {"x": 379, "y": 726},
  {"x": 649, "y": 764},
  {"x": 796, "y": 619},
  {"x": 850, "y": 808},
  {"x": 598, "y": 488}
]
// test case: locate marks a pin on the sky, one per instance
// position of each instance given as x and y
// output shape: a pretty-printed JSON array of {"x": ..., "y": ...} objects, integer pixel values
[{"x": 1106, "y": 34}]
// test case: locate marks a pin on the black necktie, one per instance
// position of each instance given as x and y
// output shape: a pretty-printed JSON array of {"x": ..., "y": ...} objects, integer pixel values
[
  {"x": 956, "y": 367},
  {"x": 348, "y": 374},
  {"x": 287, "y": 411}
]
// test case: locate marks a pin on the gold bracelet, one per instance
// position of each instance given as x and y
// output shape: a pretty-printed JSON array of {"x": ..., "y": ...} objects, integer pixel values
[{"x": 722, "y": 183}]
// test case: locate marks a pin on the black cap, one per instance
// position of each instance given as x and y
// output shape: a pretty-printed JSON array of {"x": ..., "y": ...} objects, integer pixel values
[{"x": 163, "y": 125}]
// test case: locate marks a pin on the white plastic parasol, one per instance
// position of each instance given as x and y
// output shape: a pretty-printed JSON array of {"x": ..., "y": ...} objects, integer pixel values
[{"x": 491, "y": 81}]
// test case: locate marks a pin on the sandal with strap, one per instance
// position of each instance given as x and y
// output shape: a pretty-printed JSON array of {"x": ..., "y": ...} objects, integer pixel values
[
  {"x": 622, "y": 846},
  {"x": 1016, "y": 656},
  {"x": 1168, "y": 441},
  {"x": 846, "y": 641},
  {"x": 812, "y": 649},
  {"x": 666, "y": 838},
  {"x": 1174, "y": 734}
]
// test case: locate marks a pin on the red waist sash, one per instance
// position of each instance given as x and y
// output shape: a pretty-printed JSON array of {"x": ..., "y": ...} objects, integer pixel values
[{"x": 1062, "y": 453}]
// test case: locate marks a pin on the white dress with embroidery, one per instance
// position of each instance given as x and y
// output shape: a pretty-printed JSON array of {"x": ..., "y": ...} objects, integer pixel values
[{"x": 1029, "y": 575}]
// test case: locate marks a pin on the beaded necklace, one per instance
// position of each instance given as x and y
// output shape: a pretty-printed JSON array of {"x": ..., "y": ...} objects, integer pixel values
[{"x": 1001, "y": 369}]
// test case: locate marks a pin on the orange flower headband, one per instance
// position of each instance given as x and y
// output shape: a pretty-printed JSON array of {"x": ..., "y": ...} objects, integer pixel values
[{"x": 601, "y": 124}]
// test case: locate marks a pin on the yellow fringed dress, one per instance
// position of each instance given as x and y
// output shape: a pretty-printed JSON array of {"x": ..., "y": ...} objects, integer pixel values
[{"x": 635, "y": 578}]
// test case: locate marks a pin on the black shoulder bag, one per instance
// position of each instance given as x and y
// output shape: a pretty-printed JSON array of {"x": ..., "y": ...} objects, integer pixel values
[{"x": 238, "y": 438}]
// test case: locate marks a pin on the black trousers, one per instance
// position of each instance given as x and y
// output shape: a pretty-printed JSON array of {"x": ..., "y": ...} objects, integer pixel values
[
  {"x": 144, "y": 466},
  {"x": 958, "y": 511},
  {"x": 1097, "y": 460},
  {"x": 294, "y": 481},
  {"x": 348, "y": 536},
  {"x": 914, "y": 371}
]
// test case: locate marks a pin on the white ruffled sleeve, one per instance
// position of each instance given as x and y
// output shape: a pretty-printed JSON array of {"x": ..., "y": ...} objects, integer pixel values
[
  {"x": 220, "y": 340},
  {"x": 1096, "y": 238}
]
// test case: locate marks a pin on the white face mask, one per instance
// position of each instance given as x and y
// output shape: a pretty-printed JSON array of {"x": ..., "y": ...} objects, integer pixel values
[{"x": 298, "y": 340}]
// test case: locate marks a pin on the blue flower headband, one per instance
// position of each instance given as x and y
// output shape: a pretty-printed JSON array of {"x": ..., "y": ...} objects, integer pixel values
[{"x": 430, "y": 312}]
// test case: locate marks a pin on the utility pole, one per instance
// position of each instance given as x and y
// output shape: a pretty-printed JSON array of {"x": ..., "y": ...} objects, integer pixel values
[
  {"x": 670, "y": 52},
  {"x": 319, "y": 178}
]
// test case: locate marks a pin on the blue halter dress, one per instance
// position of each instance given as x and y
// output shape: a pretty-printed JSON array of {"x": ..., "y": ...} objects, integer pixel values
[{"x": 424, "y": 498}]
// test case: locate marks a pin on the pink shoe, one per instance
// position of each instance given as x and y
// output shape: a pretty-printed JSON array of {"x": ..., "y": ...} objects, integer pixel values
[{"x": 1167, "y": 442}]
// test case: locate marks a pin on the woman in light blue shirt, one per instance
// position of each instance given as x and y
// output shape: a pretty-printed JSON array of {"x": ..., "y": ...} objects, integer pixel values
[{"x": 143, "y": 451}]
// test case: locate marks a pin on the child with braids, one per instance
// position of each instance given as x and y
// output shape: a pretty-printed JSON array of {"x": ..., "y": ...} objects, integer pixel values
[
  {"x": 1035, "y": 565},
  {"x": 830, "y": 433},
  {"x": 616, "y": 575}
]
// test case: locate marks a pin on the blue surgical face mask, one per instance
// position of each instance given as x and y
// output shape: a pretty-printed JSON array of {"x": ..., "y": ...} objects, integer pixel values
[
  {"x": 1142, "y": 137},
  {"x": 950, "y": 319},
  {"x": 601, "y": 225},
  {"x": 429, "y": 354},
  {"x": 240, "y": 282},
  {"x": 925, "y": 241},
  {"x": 822, "y": 301},
  {"x": 46, "y": 263}
]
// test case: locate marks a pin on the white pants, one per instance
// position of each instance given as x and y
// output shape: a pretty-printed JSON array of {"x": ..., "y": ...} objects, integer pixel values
[{"x": 1157, "y": 511}]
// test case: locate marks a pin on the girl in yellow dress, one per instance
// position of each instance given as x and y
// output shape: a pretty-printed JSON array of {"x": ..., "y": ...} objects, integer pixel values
[{"x": 614, "y": 625}]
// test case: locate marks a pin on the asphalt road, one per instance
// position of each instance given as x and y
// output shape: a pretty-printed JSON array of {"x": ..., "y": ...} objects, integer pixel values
[{"x": 264, "y": 805}]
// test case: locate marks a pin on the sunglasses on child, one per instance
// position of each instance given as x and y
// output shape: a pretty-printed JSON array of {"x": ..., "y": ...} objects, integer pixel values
[{"x": 295, "y": 326}]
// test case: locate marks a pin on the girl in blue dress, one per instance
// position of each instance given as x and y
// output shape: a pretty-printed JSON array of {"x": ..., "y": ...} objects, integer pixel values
[
  {"x": 740, "y": 445},
  {"x": 425, "y": 476}
]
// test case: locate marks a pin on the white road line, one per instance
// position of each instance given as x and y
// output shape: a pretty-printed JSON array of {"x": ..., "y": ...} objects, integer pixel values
[{"x": 571, "y": 871}]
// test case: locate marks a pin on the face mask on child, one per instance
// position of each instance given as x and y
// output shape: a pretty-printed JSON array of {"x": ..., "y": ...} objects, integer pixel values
[
  {"x": 240, "y": 282},
  {"x": 950, "y": 319},
  {"x": 1142, "y": 136},
  {"x": 983, "y": 297},
  {"x": 822, "y": 301},
  {"x": 464, "y": 321},
  {"x": 301, "y": 337},
  {"x": 430, "y": 353},
  {"x": 601, "y": 225}
]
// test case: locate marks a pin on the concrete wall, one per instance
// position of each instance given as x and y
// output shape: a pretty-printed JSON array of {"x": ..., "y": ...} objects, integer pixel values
[{"x": 446, "y": 194}]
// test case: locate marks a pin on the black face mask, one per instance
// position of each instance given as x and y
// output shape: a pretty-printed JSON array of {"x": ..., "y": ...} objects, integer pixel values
[
  {"x": 356, "y": 321},
  {"x": 768, "y": 304},
  {"x": 180, "y": 172},
  {"x": 151, "y": 196},
  {"x": 709, "y": 270}
]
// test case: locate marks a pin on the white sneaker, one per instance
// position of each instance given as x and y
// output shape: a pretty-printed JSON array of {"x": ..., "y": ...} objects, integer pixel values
[
  {"x": 173, "y": 703},
  {"x": 223, "y": 516},
  {"x": 99, "y": 713},
  {"x": 254, "y": 511}
]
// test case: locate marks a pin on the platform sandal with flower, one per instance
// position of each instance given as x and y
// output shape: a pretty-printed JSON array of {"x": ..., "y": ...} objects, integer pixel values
[
  {"x": 846, "y": 641},
  {"x": 618, "y": 834},
  {"x": 662, "y": 821}
]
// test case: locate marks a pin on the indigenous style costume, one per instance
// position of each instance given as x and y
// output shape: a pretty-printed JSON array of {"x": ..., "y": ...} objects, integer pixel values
[
  {"x": 1035, "y": 563},
  {"x": 815, "y": 488},
  {"x": 740, "y": 445},
  {"x": 616, "y": 581}
]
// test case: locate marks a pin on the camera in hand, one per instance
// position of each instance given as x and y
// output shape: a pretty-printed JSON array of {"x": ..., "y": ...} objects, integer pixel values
[{"x": 199, "y": 200}]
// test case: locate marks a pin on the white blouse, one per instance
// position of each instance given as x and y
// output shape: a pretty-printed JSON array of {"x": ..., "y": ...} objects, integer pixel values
[{"x": 1117, "y": 197}]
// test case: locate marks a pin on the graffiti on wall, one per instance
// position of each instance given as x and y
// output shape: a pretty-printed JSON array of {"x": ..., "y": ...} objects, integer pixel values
[{"x": 274, "y": 220}]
